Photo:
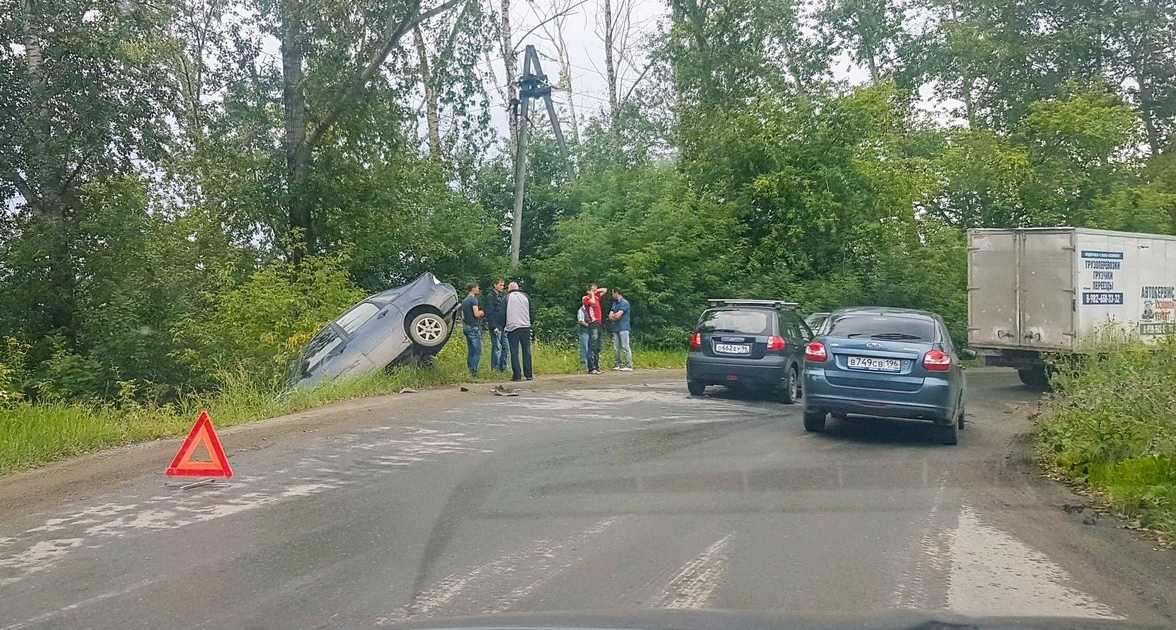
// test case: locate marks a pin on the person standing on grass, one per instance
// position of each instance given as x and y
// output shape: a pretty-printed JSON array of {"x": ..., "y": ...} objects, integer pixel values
[
  {"x": 591, "y": 301},
  {"x": 496, "y": 322},
  {"x": 619, "y": 316},
  {"x": 518, "y": 331},
  {"x": 471, "y": 315},
  {"x": 582, "y": 315}
]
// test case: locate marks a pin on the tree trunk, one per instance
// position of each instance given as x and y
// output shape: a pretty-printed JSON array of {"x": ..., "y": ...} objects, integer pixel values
[
  {"x": 509, "y": 63},
  {"x": 298, "y": 203},
  {"x": 432, "y": 106},
  {"x": 610, "y": 69}
]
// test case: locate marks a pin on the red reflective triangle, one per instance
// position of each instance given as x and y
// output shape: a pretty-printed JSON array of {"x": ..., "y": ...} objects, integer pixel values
[{"x": 201, "y": 433}]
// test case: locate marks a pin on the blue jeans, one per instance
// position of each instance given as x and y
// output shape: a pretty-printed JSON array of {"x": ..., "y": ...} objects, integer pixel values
[
  {"x": 583, "y": 346},
  {"x": 499, "y": 347},
  {"x": 473, "y": 336},
  {"x": 594, "y": 347},
  {"x": 622, "y": 350}
]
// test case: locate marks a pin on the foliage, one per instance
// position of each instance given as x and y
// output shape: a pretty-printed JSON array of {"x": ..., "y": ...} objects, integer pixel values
[
  {"x": 1111, "y": 427},
  {"x": 263, "y": 322}
]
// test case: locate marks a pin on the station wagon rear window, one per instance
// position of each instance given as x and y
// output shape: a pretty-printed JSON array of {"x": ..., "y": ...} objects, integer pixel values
[
  {"x": 743, "y": 322},
  {"x": 885, "y": 327}
]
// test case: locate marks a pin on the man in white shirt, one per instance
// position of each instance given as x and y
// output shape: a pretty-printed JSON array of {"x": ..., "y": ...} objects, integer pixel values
[{"x": 518, "y": 331}]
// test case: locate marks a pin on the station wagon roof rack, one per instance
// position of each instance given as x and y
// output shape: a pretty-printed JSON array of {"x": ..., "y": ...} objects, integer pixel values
[{"x": 739, "y": 302}]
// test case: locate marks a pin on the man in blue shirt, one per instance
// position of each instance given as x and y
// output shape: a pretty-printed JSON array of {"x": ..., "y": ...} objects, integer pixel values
[
  {"x": 619, "y": 316},
  {"x": 471, "y": 315}
]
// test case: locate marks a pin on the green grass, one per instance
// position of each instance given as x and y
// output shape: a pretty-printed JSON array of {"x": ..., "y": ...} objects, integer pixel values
[
  {"x": 31, "y": 435},
  {"x": 1111, "y": 427}
]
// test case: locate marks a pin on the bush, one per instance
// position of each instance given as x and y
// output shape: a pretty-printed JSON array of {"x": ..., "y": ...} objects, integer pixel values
[{"x": 1111, "y": 426}]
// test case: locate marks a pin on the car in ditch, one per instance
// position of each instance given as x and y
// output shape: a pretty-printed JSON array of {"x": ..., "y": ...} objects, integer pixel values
[{"x": 408, "y": 324}]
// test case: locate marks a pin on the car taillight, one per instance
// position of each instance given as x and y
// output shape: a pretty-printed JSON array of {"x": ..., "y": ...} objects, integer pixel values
[
  {"x": 776, "y": 343},
  {"x": 815, "y": 352},
  {"x": 696, "y": 340},
  {"x": 937, "y": 361}
]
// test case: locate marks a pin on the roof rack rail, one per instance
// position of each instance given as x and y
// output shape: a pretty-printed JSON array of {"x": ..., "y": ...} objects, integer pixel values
[{"x": 740, "y": 302}]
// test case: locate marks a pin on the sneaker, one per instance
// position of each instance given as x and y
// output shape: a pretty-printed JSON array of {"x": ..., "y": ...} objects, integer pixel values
[
  {"x": 626, "y": 369},
  {"x": 616, "y": 368},
  {"x": 596, "y": 372},
  {"x": 530, "y": 378}
]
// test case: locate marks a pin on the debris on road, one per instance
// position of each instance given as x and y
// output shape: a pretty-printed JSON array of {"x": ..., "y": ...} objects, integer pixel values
[
  {"x": 408, "y": 390},
  {"x": 499, "y": 390}
]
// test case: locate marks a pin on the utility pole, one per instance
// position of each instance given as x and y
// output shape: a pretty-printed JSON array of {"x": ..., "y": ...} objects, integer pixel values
[{"x": 532, "y": 85}]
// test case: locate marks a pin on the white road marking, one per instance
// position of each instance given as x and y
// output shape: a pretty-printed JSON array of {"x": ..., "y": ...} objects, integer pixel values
[
  {"x": 500, "y": 584},
  {"x": 992, "y": 571},
  {"x": 697, "y": 580},
  {"x": 910, "y": 592}
]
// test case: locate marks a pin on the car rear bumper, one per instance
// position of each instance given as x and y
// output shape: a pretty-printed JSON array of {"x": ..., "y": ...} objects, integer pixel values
[
  {"x": 931, "y": 402},
  {"x": 768, "y": 372}
]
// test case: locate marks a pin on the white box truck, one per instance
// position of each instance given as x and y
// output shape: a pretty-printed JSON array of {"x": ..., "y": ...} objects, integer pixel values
[{"x": 1040, "y": 292}]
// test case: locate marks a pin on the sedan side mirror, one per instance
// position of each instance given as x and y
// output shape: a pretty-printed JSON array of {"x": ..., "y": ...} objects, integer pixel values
[{"x": 967, "y": 354}]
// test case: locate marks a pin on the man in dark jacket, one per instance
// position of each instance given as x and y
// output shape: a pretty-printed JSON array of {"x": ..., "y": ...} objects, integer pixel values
[{"x": 496, "y": 322}]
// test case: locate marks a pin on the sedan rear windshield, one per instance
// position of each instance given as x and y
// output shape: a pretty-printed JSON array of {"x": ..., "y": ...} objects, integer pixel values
[
  {"x": 733, "y": 321},
  {"x": 891, "y": 327}
]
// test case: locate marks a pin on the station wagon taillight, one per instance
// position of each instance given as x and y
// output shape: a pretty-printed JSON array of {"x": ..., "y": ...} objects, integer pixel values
[
  {"x": 815, "y": 352},
  {"x": 937, "y": 361},
  {"x": 696, "y": 340},
  {"x": 776, "y": 343}
]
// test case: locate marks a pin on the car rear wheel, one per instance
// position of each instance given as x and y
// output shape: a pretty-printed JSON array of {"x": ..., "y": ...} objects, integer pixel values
[
  {"x": 790, "y": 392},
  {"x": 428, "y": 330},
  {"x": 696, "y": 388},
  {"x": 960, "y": 421},
  {"x": 948, "y": 433},
  {"x": 814, "y": 421}
]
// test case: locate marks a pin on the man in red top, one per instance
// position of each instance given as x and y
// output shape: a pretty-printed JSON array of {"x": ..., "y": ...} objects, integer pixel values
[{"x": 591, "y": 301}]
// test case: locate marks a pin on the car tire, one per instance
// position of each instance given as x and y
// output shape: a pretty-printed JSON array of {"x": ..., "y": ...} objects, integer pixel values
[
  {"x": 428, "y": 330},
  {"x": 840, "y": 417},
  {"x": 791, "y": 391},
  {"x": 696, "y": 388},
  {"x": 960, "y": 420},
  {"x": 948, "y": 433},
  {"x": 814, "y": 421}
]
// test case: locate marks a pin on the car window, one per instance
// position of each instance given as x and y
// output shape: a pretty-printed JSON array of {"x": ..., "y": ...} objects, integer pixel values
[
  {"x": 806, "y": 333},
  {"x": 873, "y": 326},
  {"x": 352, "y": 320},
  {"x": 792, "y": 326},
  {"x": 736, "y": 321},
  {"x": 319, "y": 349}
]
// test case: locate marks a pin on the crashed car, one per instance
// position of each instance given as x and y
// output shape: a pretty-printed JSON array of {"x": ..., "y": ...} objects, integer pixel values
[{"x": 406, "y": 324}]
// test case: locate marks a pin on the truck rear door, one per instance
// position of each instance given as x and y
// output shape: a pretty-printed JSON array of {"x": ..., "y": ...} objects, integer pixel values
[{"x": 1021, "y": 288}]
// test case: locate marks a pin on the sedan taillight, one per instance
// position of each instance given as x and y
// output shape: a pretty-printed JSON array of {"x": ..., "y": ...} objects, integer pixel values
[
  {"x": 937, "y": 361},
  {"x": 696, "y": 340},
  {"x": 815, "y": 352}
]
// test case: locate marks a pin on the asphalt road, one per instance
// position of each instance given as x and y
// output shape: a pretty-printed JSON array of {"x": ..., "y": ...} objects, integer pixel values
[{"x": 586, "y": 493}]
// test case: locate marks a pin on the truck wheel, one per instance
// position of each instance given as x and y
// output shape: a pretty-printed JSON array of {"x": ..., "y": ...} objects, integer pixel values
[
  {"x": 1035, "y": 377},
  {"x": 814, "y": 421}
]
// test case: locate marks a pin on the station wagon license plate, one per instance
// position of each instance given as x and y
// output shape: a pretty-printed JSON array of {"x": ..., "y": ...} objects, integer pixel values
[
  {"x": 872, "y": 364},
  {"x": 733, "y": 348}
]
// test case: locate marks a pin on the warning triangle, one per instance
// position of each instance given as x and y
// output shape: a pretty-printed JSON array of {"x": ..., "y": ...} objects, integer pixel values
[{"x": 202, "y": 433}]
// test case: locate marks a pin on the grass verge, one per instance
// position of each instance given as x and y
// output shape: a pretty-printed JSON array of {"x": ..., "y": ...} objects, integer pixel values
[
  {"x": 31, "y": 435},
  {"x": 1110, "y": 427}
]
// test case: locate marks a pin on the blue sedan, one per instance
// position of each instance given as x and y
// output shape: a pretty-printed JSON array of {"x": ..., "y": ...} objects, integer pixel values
[{"x": 887, "y": 363}]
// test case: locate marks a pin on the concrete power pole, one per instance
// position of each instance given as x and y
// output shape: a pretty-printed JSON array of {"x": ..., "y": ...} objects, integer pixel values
[{"x": 532, "y": 85}]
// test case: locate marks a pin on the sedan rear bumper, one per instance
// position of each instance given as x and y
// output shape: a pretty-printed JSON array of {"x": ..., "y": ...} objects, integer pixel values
[{"x": 931, "y": 402}]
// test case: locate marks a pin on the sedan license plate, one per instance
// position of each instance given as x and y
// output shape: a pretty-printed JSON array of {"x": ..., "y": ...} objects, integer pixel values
[
  {"x": 874, "y": 365},
  {"x": 733, "y": 348}
]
